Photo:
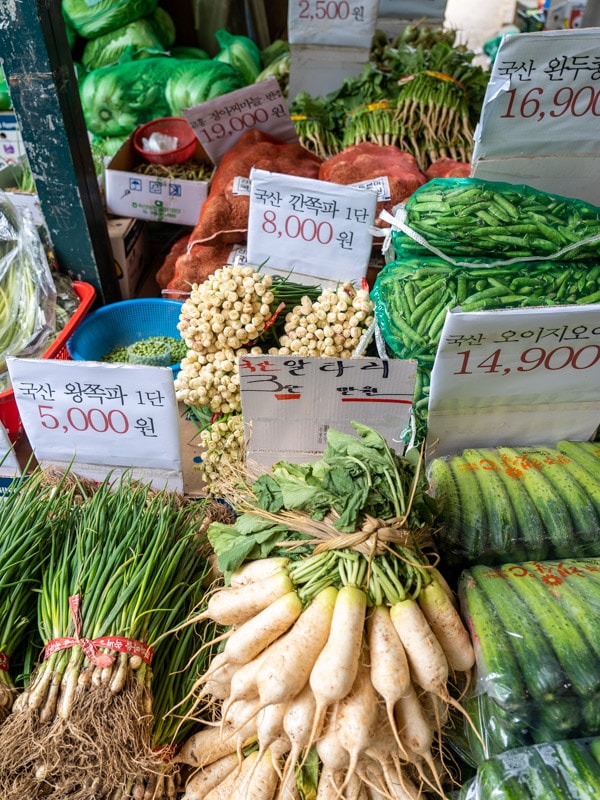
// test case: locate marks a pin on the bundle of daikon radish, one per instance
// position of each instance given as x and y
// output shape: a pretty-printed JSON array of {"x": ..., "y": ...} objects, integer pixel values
[{"x": 338, "y": 667}]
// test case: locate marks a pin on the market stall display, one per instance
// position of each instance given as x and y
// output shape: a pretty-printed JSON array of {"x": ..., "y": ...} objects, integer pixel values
[{"x": 378, "y": 622}]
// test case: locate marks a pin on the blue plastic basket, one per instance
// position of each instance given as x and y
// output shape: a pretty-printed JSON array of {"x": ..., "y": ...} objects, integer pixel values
[{"x": 121, "y": 324}]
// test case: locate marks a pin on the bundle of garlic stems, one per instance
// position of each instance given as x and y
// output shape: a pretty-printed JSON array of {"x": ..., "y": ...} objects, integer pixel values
[
  {"x": 178, "y": 664},
  {"x": 30, "y": 512},
  {"x": 114, "y": 580}
]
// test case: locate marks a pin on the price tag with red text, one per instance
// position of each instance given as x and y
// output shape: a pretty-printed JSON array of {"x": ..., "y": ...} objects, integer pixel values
[
  {"x": 318, "y": 394},
  {"x": 334, "y": 22},
  {"x": 543, "y": 99},
  {"x": 100, "y": 417},
  {"x": 219, "y": 123},
  {"x": 515, "y": 376},
  {"x": 310, "y": 227}
]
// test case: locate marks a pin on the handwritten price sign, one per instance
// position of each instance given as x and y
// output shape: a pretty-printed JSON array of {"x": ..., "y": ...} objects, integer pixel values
[
  {"x": 310, "y": 227},
  {"x": 516, "y": 376},
  {"x": 220, "y": 122},
  {"x": 335, "y": 22},
  {"x": 98, "y": 414}
]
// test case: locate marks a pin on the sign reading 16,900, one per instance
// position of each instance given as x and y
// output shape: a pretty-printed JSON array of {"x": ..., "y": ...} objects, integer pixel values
[
  {"x": 543, "y": 94},
  {"x": 309, "y": 226}
]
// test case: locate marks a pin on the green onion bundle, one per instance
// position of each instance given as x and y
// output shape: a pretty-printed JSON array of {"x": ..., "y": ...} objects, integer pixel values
[
  {"x": 115, "y": 579},
  {"x": 29, "y": 512}
]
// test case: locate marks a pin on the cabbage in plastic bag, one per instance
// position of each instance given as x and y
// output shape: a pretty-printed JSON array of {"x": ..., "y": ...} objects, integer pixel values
[
  {"x": 195, "y": 81},
  {"x": 241, "y": 52},
  {"x": 135, "y": 40},
  {"x": 117, "y": 98},
  {"x": 91, "y": 19}
]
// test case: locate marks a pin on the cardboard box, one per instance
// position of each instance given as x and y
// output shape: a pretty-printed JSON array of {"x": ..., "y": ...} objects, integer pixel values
[
  {"x": 12, "y": 148},
  {"x": 128, "y": 238},
  {"x": 131, "y": 194}
]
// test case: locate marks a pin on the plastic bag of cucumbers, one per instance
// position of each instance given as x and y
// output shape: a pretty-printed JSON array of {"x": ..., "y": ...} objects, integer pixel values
[
  {"x": 566, "y": 769},
  {"x": 534, "y": 626},
  {"x": 518, "y": 503}
]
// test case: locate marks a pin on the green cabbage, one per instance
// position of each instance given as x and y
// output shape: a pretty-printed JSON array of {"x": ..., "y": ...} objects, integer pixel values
[
  {"x": 5, "y": 101},
  {"x": 241, "y": 52},
  {"x": 195, "y": 81},
  {"x": 92, "y": 19},
  {"x": 118, "y": 98},
  {"x": 183, "y": 51},
  {"x": 135, "y": 40},
  {"x": 164, "y": 27}
]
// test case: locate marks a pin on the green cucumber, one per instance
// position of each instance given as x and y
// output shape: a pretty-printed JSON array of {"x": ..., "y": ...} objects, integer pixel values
[
  {"x": 531, "y": 542},
  {"x": 558, "y": 719},
  {"x": 585, "y": 520},
  {"x": 501, "y": 517},
  {"x": 496, "y": 782},
  {"x": 579, "y": 662},
  {"x": 502, "y": 730},
  {"x": 538, "y": 666},
  {"x": 545, "y": 782},
  {"x": 590, "y": 711},
  {"x": 578, "y": 597},
  {"x": 473, "y": 517},
  {"x": 579, "y": 770},
  {"x": 590, "y": 484},
  {"x": 586, "y": 454},
  {"x": 498, "y": 670},
  {"x": 445, "y": 491},
  {"x": 552, "y": 509}
]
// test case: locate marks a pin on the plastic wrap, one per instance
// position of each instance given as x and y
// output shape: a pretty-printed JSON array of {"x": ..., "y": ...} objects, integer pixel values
[
  {"x": 518, "y": 503},
  {"x": 537, "y": 673},
  {"x": 565, "y": 769},
  {"x": 474, "y": 220},
  {"x": 27, "y": 291},
  {"x": 91, "y": 19}
]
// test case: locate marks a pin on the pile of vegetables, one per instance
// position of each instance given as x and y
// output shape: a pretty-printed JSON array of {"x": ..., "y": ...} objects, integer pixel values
[
  {"x": 536, "y": 644},
  {"x": 115, "y": 567},
  {"x": 519, "y": 503},
  {"x": 238, "y": 311},
  {"x": 344, "y": 648}
]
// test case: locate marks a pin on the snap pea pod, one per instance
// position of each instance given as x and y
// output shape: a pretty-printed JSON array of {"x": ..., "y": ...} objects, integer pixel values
[{"x": 471, "y": 218}]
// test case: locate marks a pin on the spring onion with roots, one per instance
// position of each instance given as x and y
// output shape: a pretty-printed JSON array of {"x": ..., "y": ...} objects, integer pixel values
[
  {"x": 116, "y": 577},
  {"x": 347, "y": 649},
  {"x": 30, "y": 512}
]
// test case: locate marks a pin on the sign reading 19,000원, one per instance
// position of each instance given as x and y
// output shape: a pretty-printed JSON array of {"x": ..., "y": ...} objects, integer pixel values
[{"x": 544, "y": 92}]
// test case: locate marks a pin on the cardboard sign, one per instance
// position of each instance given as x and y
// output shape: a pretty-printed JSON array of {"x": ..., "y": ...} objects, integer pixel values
[
  {"x": 539, "y": 120},
  {"x": 100, "y": 417},
  {"x": 219, "y": 123},
  {"x": 310, "y": 227},
  {"x": 336, "y": 22},
  {"x": 515, "y": 377},
  {"x": 289, "y": 403}
]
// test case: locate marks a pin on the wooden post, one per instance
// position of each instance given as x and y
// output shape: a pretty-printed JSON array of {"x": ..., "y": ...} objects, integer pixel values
[{"x": 44, "y": 94}]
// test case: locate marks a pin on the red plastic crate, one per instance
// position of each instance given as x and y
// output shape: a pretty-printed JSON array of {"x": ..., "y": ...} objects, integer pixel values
[{"x": 9, "y": 413}]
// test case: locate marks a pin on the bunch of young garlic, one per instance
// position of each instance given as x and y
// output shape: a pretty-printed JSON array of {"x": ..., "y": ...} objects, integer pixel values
[{"x": 237, "y": 311}]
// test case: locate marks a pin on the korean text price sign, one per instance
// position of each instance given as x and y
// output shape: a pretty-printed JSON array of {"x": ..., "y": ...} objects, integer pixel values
[
  {"x": 289, "y": 403},
  {"x": 515, "y": 377},
  {"x": 220, "y": 122},
  {"x": 309, "y": 226},
  {"x": 544, "y": 90},
  {"x": 98, "y": 414},
  {"x": 334, "y": 22}
]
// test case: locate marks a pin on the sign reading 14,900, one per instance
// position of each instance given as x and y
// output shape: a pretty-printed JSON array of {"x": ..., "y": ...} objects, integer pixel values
[{"x": 546, "y": 87}]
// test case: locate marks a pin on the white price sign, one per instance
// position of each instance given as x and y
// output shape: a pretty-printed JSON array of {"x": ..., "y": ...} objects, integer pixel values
[
  {"x": 333, "y": 22},
  {"x": 543, "y": 99},
  {"x": 219, "y": 123},
  {"x": 99, "y": 415},
  {"x": 310, "y": 227},
  {"x": 515, "y": 376},
  {"x": 289, "y": 403}
]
